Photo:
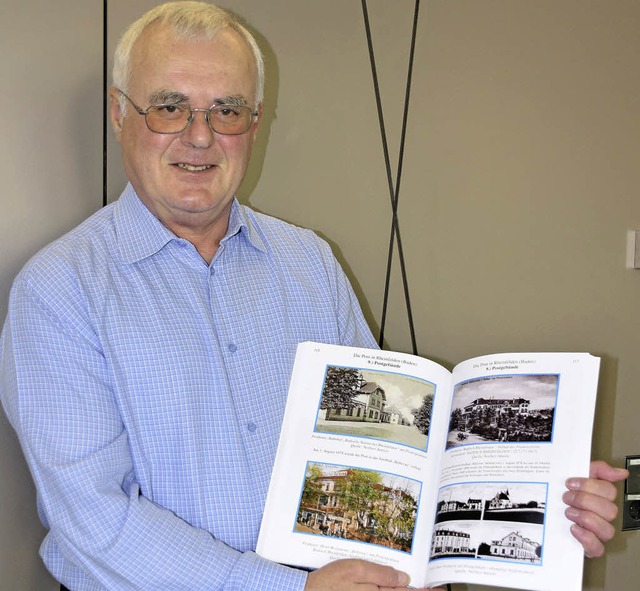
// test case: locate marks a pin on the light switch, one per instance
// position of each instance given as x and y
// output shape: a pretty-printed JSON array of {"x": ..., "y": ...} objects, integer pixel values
[{"x": 631, "y": 508}]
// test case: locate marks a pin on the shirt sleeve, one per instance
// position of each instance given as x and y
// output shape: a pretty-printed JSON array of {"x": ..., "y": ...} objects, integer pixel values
[{"x": 55, "y": 387}]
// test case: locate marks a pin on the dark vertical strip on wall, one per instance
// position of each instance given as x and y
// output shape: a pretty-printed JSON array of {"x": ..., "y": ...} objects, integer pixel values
[
  {"x": 105, "y": 104},
  {"x": 394, "y": 193}
]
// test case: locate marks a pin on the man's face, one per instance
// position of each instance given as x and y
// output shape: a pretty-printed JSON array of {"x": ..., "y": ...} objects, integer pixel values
[{"x": 186, "y": 179}]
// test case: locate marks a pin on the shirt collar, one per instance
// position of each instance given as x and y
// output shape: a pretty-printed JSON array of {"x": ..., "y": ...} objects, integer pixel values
[
  {"x": 140, "y": 234},
  {"x": 240, "y": 223}
]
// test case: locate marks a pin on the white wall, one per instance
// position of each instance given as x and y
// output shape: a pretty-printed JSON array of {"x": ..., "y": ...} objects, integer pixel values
[{"x": 51, "y": 171}]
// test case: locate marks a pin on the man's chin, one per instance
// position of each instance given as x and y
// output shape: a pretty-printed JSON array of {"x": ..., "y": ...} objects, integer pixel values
[{"x": 196, "y": 210}]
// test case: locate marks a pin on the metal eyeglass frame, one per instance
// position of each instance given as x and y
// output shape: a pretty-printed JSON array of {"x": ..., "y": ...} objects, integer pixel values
[{"x": 207, "y": 113}]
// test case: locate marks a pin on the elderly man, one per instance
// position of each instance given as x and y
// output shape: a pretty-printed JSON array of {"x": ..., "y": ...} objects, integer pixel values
[{"x": 146, "y": 354}]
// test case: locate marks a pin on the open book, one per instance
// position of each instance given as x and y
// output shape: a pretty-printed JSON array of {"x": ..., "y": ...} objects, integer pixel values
[{"x": 448, "y": 476}]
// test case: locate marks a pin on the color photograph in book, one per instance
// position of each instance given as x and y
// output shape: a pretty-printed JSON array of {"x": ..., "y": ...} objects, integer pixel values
[
  {"x": 495, "y": 521},
  {"x": 363, "y": 506},
  {"x": 503, "y": 409},
  {"x": 376, "y": 404}
]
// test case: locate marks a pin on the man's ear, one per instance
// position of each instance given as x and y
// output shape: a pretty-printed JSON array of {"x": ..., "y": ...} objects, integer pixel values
[
  {"x": 115, "y": 111},
  {"x": 257, "y": 122}
]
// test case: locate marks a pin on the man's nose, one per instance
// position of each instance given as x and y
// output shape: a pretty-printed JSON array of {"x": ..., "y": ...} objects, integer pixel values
[{"x": 199, "y": 132}]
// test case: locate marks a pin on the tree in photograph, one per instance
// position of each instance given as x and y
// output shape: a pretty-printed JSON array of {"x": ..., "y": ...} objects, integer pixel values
[
  {"x": 312, "y": 488},
  {"x": 456, "y": 422},
  {"x": 397, "y": 515},
  {"x": 360, "y": 494},
  {"x": 341, "y": 386},
  {"x": 484, "y": 423},
  {"x": 481, "y": 421},
  {"x": 540, "y": 423},
  {"x": 422, "y": 415}
]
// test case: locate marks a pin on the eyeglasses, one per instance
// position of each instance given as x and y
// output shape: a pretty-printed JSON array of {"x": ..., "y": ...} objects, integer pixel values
[{"x": 175, "y": 118}]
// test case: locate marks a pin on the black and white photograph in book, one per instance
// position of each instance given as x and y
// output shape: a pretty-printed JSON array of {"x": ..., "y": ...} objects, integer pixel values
[
  {"x": 493, "y": 501},
  {"x": 521, "y": 543},
  {"x": 376, "y": 404},
  {"x": 503, "y": 409},
  {"x": 359, "y": 505},
  {"x": 501, "y": 521}
]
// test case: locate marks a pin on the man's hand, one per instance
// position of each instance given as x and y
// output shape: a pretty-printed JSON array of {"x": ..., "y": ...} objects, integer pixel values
[
  {"x": 592, "y": 507},
  {"x": 357, "y": 575}
]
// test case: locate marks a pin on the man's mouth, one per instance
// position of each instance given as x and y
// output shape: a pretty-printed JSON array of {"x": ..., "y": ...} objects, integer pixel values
[{"x": 192, "y": 168}]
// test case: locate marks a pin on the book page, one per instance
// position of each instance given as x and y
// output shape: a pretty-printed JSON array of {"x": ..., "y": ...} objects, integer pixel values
[
  {"x": 520, "y": 425},
  {"x": 355, "y": 475}
]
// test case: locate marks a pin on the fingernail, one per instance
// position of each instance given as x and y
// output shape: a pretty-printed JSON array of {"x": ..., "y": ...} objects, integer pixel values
[
  {"x": 571, "y": 513},
  {"x": 403, "y": 579},
  {"x": 573, "y": 483}
]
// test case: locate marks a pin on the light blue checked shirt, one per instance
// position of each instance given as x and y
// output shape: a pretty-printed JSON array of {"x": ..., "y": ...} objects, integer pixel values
[{"x": 147, "y": 389}]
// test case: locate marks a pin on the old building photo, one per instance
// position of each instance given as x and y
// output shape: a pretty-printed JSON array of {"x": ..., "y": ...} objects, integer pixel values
[
  {"x": 376, "y": 404},
  {"x": 501, "y": 521},
  {"x": 363, "y": 506},
  {"x": 493, "y": 501},
  {"x": 503, "y": 409}
]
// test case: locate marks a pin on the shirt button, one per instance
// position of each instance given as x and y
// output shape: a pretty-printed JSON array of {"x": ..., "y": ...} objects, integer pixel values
[
  {"x": 252, "y": 427},
  {"x": 233, "y": 348}
]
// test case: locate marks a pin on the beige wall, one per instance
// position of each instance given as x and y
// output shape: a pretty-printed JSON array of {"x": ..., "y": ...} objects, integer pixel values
[
  {"x": 51, "y": 171},
  {"x": 519, "y": 183}
]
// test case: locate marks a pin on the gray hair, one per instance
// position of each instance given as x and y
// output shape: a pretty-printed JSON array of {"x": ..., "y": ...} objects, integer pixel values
[{"x": 188, "y": 20}]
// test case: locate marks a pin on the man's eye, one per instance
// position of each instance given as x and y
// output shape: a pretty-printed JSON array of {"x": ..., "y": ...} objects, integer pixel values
[
  {"x": 227, "y": 112},
  {"x": 170, "y": 108},
  {"x": 170, "y": 111}
]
